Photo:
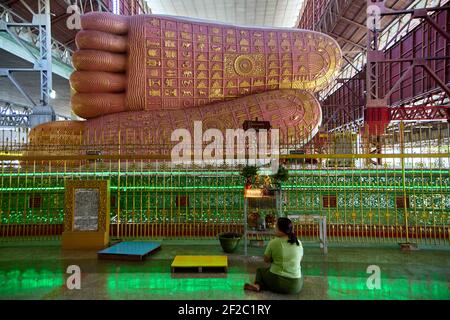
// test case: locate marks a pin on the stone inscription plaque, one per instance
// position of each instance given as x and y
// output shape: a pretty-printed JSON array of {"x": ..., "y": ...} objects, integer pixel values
[{"x": 86, "y": 209}]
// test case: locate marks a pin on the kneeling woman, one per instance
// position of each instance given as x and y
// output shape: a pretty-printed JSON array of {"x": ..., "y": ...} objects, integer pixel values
[{"x": 285, "y": 253}]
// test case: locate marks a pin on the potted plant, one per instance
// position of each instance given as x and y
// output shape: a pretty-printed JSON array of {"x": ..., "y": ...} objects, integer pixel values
[
  {"x": 229, "y": 241},
  {"x": 249, "y": 171}
]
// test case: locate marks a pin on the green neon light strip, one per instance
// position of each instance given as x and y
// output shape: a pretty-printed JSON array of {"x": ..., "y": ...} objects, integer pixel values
[
  {"x": 365, "y": 187},
  {"x": 32, "y": 189},
  {"x": 240, "y": 188},
  {"x": 366, "y": 172},
  {"x": 122, "y": 173},
  {"x": 296, "y": 172}
]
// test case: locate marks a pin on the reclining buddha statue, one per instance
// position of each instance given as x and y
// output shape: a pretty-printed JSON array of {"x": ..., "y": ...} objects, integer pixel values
[{"x": 138, "y": 78}]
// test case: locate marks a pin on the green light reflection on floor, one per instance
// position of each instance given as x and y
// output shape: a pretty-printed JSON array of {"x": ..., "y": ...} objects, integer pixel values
[
  {"x": 27, "y": 281},
  {"x": 161, "y": 282},
  {"x": 392, "y": 289}
]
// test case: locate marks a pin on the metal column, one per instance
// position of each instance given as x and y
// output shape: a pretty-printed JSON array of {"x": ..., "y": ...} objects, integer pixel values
[
  {"x": 245, "y": 226},
  {"x": 44, "y": 112}
]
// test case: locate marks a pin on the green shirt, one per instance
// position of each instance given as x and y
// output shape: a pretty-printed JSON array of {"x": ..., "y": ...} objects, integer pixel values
[{"x": 286, "y": 257}]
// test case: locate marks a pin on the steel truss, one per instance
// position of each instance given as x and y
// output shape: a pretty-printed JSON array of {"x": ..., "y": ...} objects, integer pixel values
[
  {"x": 28, "y": 34},
  {"x": 347, "y": 100},
  {"x": 379, "y": 99},
  {"x": 18, "y": 115},
  {"x": 14, "y": 115},
  {"x": 41, "y": 111}
]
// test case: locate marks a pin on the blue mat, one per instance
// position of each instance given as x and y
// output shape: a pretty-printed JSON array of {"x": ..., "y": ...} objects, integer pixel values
[{"x": 130, "y": 250}]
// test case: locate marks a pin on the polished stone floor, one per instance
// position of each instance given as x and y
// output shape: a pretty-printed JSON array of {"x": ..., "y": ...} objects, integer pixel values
[{"x": 37, "y": 270}]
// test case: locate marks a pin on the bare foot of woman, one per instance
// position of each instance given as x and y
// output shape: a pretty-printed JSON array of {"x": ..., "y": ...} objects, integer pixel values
[{"x": 252, "y": 287}]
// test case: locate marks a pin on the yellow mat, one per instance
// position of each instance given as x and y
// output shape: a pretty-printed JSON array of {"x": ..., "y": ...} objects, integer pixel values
[{"x": 200, "y": 261}]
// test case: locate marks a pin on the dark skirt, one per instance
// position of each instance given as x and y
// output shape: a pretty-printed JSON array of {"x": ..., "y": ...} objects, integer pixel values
[{"x": 276, "y": 283}]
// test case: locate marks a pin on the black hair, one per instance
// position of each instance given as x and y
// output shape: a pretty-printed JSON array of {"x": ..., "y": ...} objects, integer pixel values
[{"x": 285, "y": 225}]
